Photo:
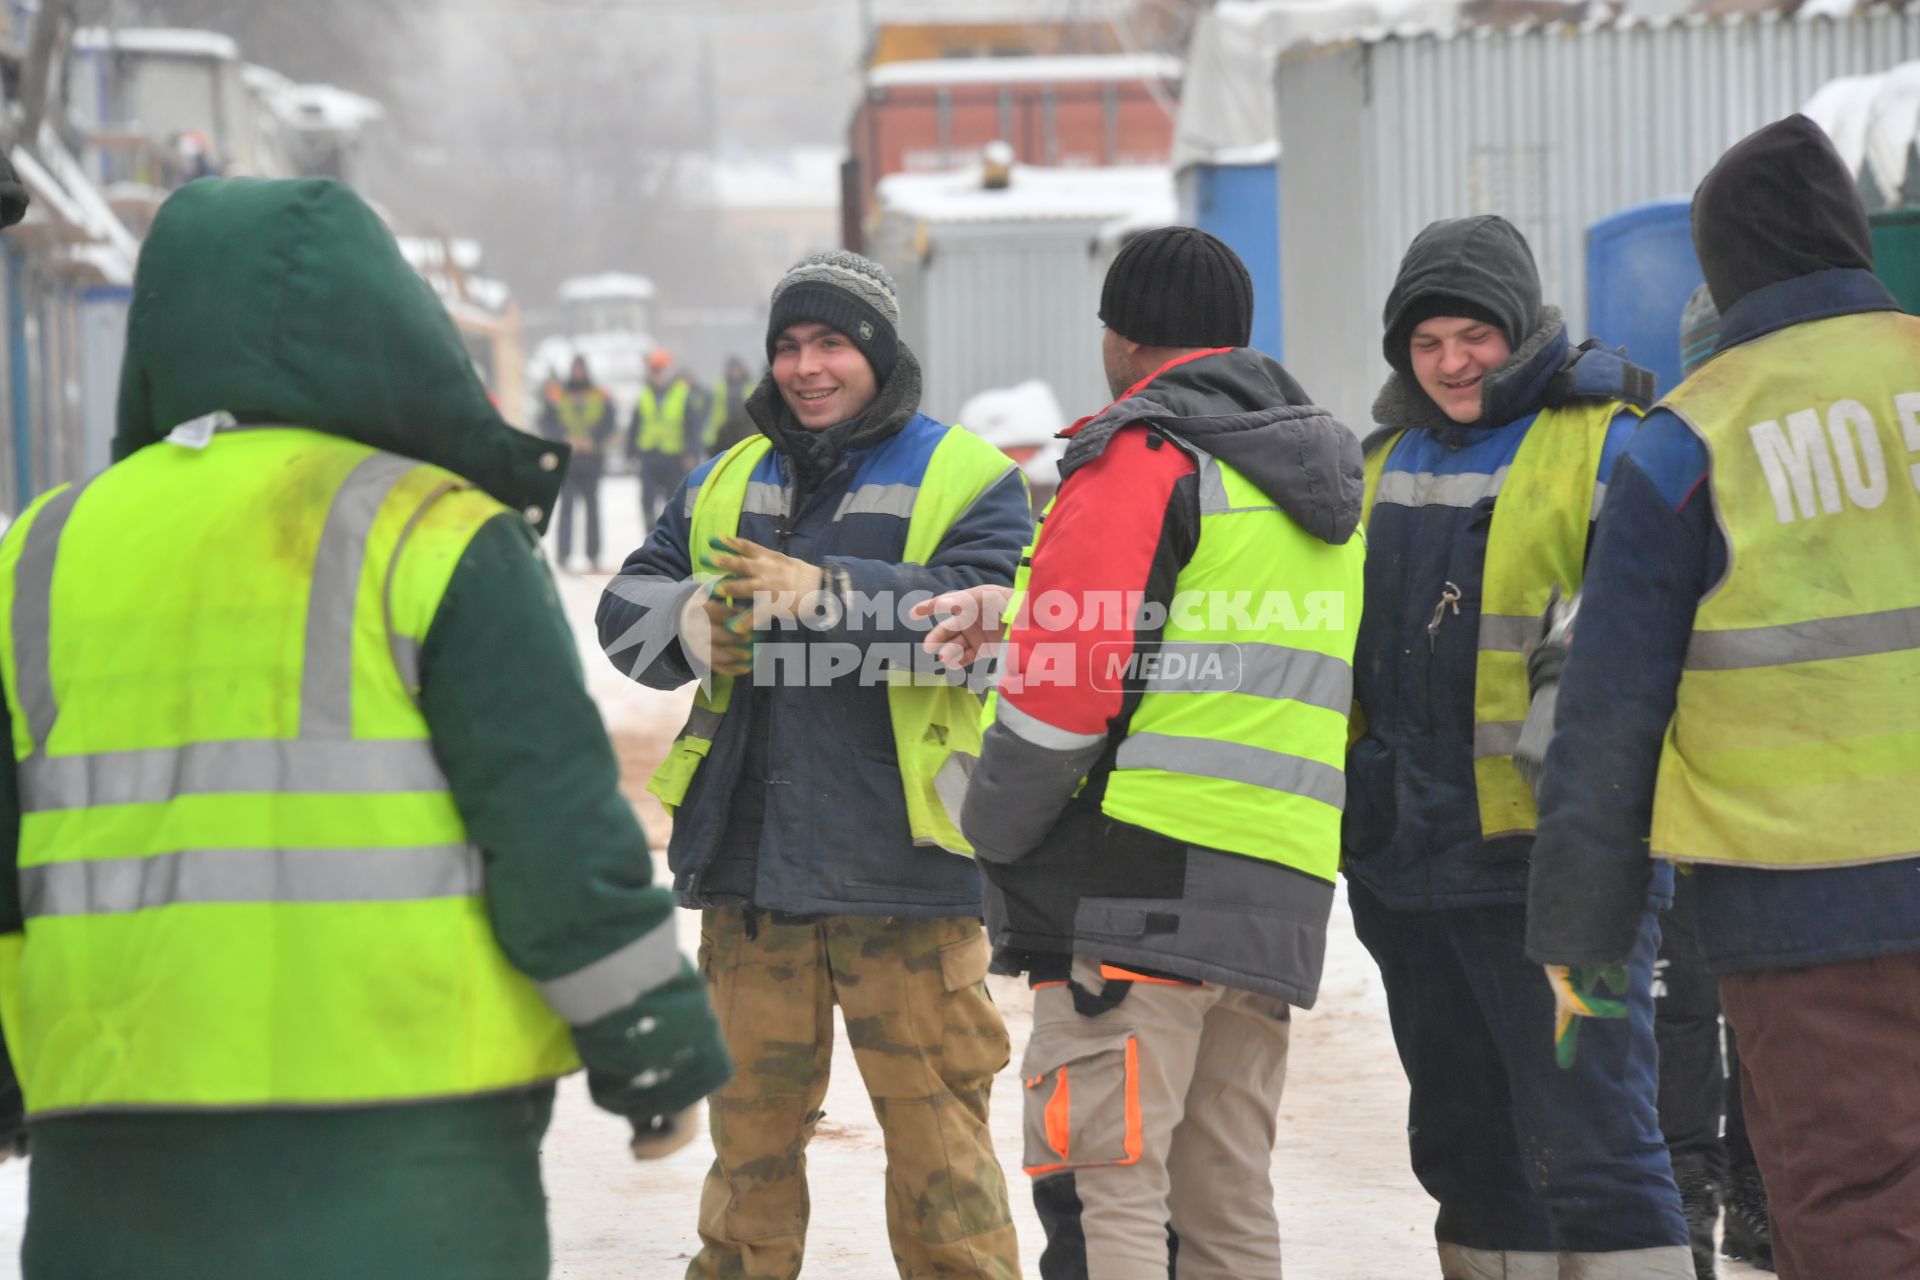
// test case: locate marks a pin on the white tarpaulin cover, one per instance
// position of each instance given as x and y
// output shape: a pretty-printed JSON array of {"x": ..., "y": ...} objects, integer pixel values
[
  {"x": 1226, "y": 104},
  {"x": 1874, "y": 122}
]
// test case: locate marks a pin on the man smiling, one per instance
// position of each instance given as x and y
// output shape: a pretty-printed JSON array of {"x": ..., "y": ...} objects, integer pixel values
[
  {"x": 1480, "y": 491},
  {"x": 810, "y": 801}
]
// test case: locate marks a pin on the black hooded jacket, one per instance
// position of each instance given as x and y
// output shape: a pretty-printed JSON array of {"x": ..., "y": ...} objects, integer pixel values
[{"x": 1125, "y": 522}]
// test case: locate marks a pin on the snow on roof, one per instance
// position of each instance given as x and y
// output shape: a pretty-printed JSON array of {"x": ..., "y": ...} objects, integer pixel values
[
  {"x": 430, "y": 252},
  {"x": 1226, "y": 105},
  {"x": 1874, "y": 121},
  {"x": 96, "y": 215},
  {"x": 1016, "y": 416},
  {"x": 609, "y": 284},
  {"x": 312, "y": 106},
  {"x": 1035, "y": 194},
  {"x": 793, "y": 178},
  {"x": 173, "y": 42},
  {"x": 1060, "y": 70},
  {"x": 935, "y": 12}
]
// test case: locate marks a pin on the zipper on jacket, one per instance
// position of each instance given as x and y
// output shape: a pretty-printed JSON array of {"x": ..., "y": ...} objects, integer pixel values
[{"x": 1449, "y": 599}]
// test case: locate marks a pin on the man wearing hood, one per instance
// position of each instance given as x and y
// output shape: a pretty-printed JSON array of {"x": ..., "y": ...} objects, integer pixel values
[
  {"x": 1741, "y": 698},
  {"x": 1157, "y": 803},
  {"x": 1546, "y": 1159},
  {"x": 815, "y": 785},
  {"x": 305, "y": 906}
]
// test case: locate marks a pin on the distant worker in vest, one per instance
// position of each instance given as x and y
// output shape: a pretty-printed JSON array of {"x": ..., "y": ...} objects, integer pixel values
[
  {"x": 582, "y": 415},
  {"x": 1740, "y": 697},
  {"x": 816, "y": 785},
  {"x": 1498, "y": 437},
  {"x": 1157, "y": 803},
  {"x": 728, "y": 422},
  {"x": 305, "y": 906},
  {"x": 663, "y": 440}
]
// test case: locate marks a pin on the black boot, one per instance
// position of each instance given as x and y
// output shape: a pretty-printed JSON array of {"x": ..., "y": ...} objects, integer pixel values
[
  {"x": 1700, "y": 1203},
  {"x": 1749, "y": 1233}
]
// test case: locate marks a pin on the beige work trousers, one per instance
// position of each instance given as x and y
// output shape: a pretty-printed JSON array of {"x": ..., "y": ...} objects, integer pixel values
[{"x": 1164, "y": 1110}]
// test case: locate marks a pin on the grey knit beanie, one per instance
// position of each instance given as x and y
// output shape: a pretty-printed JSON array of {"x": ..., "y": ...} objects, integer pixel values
[{"x": 846, "y": 292}]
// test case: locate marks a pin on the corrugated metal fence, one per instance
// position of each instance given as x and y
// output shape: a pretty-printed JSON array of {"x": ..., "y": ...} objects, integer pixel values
[{"x": 1553, "y": 127}]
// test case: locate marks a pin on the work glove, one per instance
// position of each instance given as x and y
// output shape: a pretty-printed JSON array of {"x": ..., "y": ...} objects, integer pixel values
[
  {"x": 772, "y": 585},
  {"x": 657, "y": 1137},
  {"x": 1574, "y": 997},
  {"x": 1546, "y": 657},
  {"x": 716, "y": 634}
]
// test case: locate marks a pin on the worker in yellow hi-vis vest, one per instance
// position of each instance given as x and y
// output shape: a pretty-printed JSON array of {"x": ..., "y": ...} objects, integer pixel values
[
  {"x": 815, "y": 786},
  {"x": 1741, "y": 698},
  {"x": 580, "y": 412},
  {"x": 316, "y": 875},
  {"x": 1498, "y": 437},
  {"x": 665, "y": 440}
]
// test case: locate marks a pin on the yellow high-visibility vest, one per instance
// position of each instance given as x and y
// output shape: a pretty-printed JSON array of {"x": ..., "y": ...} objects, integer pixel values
[
  {"x": 1239, "y": 739},
  {"x": 1550, "y": 496},
  {"x": 936, "y": 725},
  {"x": 244, "y": 880},
  {"x": 663, "y": 419},
  {"x": 1794, "y": 742},
  {"x": 580, "y": 412}
]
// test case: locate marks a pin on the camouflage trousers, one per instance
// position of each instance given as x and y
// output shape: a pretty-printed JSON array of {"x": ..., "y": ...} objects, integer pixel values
[{"x": 928, "y": 1041}]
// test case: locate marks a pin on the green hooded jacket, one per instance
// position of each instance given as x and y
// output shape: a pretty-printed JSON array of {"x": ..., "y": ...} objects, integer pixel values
[{"x": 289, "y": 302}]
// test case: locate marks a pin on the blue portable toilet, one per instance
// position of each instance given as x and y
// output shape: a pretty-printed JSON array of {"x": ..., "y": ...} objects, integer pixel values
[
  {"x": 1240, "y": 204},
  {"x": 1641, "y": 270}
]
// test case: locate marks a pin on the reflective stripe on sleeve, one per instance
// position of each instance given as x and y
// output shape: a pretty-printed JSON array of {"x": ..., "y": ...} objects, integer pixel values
[{"x": 615, "y": 981}]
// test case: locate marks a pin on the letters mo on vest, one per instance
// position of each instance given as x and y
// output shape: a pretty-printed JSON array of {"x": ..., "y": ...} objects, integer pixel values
[
  {"x": 936, "y": 473},
  {"x": 1793, "y": 742},
  {"x": 230, "y": 803}
]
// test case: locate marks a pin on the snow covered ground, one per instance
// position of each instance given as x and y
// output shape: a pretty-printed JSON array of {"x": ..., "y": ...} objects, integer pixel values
[{"x": 1348, "y": 1205}]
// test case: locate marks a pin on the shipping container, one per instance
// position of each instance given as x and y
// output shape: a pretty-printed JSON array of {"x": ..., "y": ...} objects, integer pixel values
[
  {"x": 1641, "y": 269},
  {"x": 998, "y": 287},
  {"x": 1553, "y": 126},
  {"x": 1071, "y": 111}
]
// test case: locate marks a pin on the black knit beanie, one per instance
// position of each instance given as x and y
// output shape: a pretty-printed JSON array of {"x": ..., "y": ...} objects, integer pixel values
[
  {"x": 1178, "y": 287},
  {"x": 846, "y": 292}
]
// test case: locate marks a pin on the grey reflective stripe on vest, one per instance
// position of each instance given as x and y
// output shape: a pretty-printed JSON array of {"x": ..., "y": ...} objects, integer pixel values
[
  {"x": 33, "y": 613},
  {"x": 1496, "y": 738},
  {"x": 950, "y": 783},
  {"x": 106, "y": 886},
  {"x": 1256, "y": 670},
  {"x": 1425, "y": 489},
  {"x": 326, "y": 682},
  {"x": 406, "y": 649},
  {"x": 1234, "y": 762},
  {"x": 879, "y": 500},
  {"x": 615, "y": 981},
  {"x": 1599, "y": 499},
  {"x": 155, "y": 775},
  {"x": 763, "y": 499},
  {"x": 1859, "y": 636},
  {"x": 1213, "y": 490},
  {"x": 1507, "y": 632}
]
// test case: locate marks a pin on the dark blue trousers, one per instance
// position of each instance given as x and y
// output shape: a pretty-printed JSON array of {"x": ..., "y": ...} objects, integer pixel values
[{"x": 1521, "y": 1155}]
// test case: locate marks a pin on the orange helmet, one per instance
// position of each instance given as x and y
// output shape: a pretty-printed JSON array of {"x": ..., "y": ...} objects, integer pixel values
[{"x": 659, "y": 358}]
